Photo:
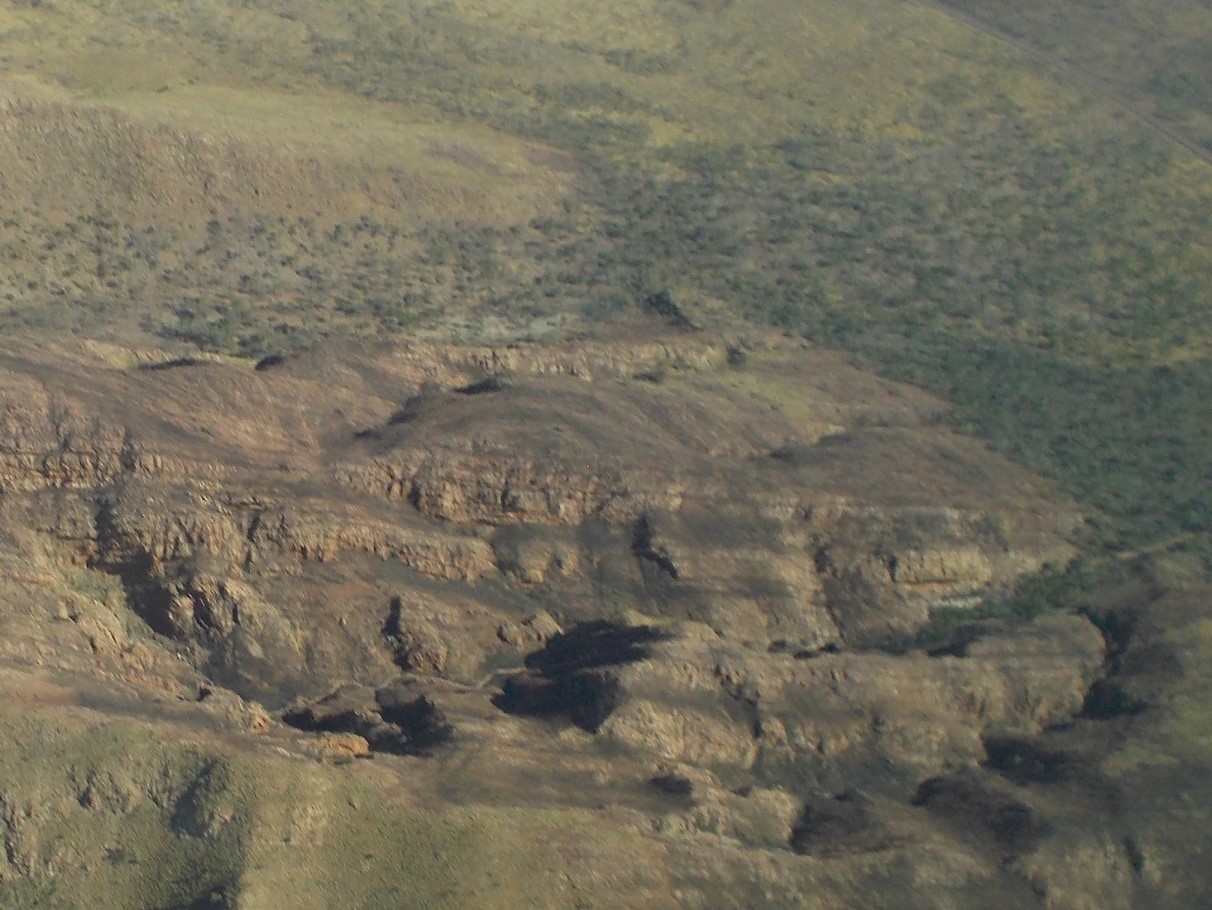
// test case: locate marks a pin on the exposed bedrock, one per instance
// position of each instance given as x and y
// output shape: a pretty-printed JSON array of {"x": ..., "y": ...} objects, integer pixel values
[
  {"x": 393, "y": 718},
  {"x": 684, "y": 694},
  {"x": 515, "y": 481},
  {"x": 548, "y": 583}
]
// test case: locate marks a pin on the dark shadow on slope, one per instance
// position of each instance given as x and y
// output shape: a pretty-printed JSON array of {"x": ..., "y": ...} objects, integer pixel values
[
  {"x": 572, "y": 674},
  {"x": 216, "y": 899},
  {"x": 270, "y": 361},
  {"x": 484, "y": 386},
  {"x": 839, "y": 825},
  {"x": 976, "y": 805},
  {"x": 1028, "y": 761},
  {"x": 396, "y": 718},
  {"x": 173, "y": 364},
  {"x": 643, "y": 548}
]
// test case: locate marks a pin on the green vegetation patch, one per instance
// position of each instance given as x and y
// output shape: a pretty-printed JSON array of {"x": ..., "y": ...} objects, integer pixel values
[
  {"x": 884, "y": 178},
  {"x": 113, "y": 814}
]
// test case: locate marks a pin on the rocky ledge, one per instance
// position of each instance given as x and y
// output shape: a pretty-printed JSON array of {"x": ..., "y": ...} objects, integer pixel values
[{"x": 679, "y": 575}]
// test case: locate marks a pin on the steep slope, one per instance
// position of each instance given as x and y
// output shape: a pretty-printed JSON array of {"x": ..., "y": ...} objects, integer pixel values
[
  {"x": 667, "y": 583},
  {"x": 711, "y": 617}
]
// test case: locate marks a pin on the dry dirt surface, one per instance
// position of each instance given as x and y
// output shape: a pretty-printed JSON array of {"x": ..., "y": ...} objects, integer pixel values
[{"x": 626, "y": 622}]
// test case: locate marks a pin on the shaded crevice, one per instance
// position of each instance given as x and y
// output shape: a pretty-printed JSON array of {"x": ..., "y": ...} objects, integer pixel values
[
  {"x": 662, "y": 304},
  {"x": 482, "y": 387},
  {"x": 974, "y": 804},
  {"x": 395, "y": 718},
  {"x": 572, "y": 674},
  {"x": 1111, "y": 696},
  {"x": 813, "y": 653},
  {"x": 794, "y": 455},
  {"x": 410, "y": 652},
  {"x": 1136, "y": 856},
  {"x": 1027, "y": 761},
  {"x": 597, "y": 643},
  {"x": 176, "y": 363},
  {"x": 961, "y": 639},
  {"x": 270, "y": 361},
  {"x": 150, "y": 600},
  {"x": 643, "y": 549},
  {"x": 147, "y": 596},
  {"x": 839, "y": 825},
  {"x": 412, "y": 408},
  {"x": 414, "y": 495},
  {"x": 892, "y": 563},
  {"x": 1118, "y": 628},
  {"x": 586, "y": 697},
  {"x": 254, "y": 525},
  {"x": 392, "y": 627},
  {"x": 421, "y": 727},
  {"x": 672, "y": 784}
]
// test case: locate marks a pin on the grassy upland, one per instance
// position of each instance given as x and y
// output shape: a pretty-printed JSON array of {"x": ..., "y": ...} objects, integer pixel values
[
  {"x": 1157, "y": 59},
  {"x": 879, "y": 176}
]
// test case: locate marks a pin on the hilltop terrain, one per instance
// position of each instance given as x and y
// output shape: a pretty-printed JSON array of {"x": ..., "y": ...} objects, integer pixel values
[
  {"x": 675, "y": 599},
  {"x": 673, "y": 453}
]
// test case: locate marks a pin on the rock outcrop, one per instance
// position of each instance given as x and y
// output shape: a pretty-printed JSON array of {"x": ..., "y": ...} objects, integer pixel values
[{"x": 538, "y": 580}]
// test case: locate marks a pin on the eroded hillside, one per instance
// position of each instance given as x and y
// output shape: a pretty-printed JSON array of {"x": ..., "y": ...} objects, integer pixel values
[
  {"x": 659, "y": 596},
  {"x": 405, "y": 502}
]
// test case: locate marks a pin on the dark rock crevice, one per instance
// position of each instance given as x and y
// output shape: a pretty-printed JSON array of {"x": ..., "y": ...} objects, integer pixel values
[
  {"x": 838, "y": 825},
  {"x": 572, "y": 676},
  {"x": 394, "y": 719},
  {"x": 1131, "y": 664},
  {"x": 144, "y": 591},
  {"x": 977, "y": 805},
  {"x": 662, "y": 305},
  {"x": 643, "y": 548},
  {"x": 1028, "y": 761},
  {"x": 484, "y": 386}
]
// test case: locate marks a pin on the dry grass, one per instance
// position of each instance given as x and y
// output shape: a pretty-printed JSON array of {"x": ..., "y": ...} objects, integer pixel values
[{"x": 107, "y": 813}]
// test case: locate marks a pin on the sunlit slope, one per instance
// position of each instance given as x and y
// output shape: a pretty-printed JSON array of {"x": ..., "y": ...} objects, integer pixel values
[
  {"x": 1156, "y": 58},
  {"x": 114, "y": 814},
  {"x": 891, "y": 154},
  {"x": 880, "y": 175},
  {"x": 873, "y": 157}
]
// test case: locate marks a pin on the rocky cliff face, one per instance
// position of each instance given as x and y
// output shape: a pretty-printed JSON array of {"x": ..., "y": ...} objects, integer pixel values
[{"x": 666, "y": 568}]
